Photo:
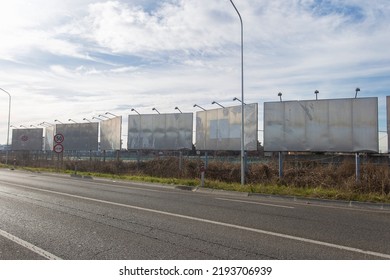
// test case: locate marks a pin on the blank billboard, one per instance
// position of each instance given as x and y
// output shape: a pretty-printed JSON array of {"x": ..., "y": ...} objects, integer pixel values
[
  {"x": 29, "y": 139},
  {"x": 49, "y": 138},
  {"x": 220, "y": 129},
  {"x": 160, "y": 131},
  {"x": 110, "y": 134},
  {"x": 79, "y": 136},
  {"x": 334, "y": 125}
]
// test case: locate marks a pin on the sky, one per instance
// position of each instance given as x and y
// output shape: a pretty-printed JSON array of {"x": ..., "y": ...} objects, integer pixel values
[{"x": 78, "y": 59}]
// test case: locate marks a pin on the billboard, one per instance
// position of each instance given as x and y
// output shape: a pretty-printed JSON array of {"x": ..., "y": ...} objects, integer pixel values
[
  {"x": 160, "y": 131},
  {"x": 220, "y": 129},
  {"x": 79, "y": 136},
  {"x": 49, "y": 138},
  {"x": 333, "y": 125},
  {"x": 110, "y": 134},
  {"x": 29, "y": 139}
]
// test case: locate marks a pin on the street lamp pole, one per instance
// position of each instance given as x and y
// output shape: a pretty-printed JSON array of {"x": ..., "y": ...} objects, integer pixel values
[
  {"x": 9, "y": 119},
  {"x": 242, "y": 97}
]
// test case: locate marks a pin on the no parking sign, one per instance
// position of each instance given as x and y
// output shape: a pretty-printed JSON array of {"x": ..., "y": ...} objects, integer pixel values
[{"x": 58, "y": 148}]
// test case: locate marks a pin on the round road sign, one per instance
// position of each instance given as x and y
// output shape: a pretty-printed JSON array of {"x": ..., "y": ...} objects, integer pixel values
[
  {"x": 58, "y": 148},
  {"x": 59, "y": 138}
]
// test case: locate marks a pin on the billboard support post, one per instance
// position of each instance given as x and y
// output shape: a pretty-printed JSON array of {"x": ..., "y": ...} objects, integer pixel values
[
  {"x": 180, "y": 160},
  {"x": 280, "y": 165},
  {"x": 202, "y": 173},
  {"x": 357, "y": 167}
]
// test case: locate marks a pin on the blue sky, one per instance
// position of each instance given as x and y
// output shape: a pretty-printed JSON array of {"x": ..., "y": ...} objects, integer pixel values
[{"x": 80, "y": 58}]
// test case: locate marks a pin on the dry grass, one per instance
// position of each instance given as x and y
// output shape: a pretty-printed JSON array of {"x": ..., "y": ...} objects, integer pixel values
[{"x": 338, "y": 180}]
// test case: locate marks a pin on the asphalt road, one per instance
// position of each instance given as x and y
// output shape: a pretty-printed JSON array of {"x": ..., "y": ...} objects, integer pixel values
[{"x": 46, "y": 216}]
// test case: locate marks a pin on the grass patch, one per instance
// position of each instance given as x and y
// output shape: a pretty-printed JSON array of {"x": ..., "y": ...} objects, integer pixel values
[{"x": 310, "y": 180}]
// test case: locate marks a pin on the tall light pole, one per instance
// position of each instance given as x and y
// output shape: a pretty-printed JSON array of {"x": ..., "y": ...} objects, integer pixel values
[
  {"x": 9, "y": 119},
  {"x": 242, "y": 97}
]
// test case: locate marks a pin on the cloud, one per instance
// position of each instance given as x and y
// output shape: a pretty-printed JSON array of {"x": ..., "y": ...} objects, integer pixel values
[{"x": 77, "y": 57}]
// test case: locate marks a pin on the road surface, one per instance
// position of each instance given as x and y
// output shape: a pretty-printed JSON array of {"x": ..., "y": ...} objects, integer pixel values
[{"x": 49, "y": 216}]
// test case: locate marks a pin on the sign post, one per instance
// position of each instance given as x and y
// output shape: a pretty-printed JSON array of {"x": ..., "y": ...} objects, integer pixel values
[{"x": 58, "y": 148}]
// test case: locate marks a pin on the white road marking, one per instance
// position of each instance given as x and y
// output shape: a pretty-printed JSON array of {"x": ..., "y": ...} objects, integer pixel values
[
  {"x": 29, "y": 246},
  {"x": 270, "y": 233},
  {"x": 254, "y": 202}
]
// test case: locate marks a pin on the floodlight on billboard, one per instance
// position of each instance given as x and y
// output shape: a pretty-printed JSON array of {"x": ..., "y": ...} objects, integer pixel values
[
  {"x": 332, "y": 125},
  {"x": 220, "y": 129},
  {"x": 160, "y": 132},
  {"x": 29, "y": 139}
]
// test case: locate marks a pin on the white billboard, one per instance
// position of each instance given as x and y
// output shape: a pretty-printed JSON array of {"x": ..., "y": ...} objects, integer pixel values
[
  {"x": 28, "y": 139},
  {"x": 110, "y": 134},
  {"x": 79, "y": 136},
  {"x": 333, "y": 125},
  {"x": 220, "y": 129},
  {"x": 160, "y": 131}
]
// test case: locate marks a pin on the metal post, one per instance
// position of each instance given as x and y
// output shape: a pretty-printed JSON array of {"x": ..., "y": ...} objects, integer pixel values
[
  {"x": 242, "y": 98},
  {"x": 357, "y": 167},
  {"x": 280, "y": 165},
  {"x": 9, "y": 119},
  {"x": 180, "y": 160}
]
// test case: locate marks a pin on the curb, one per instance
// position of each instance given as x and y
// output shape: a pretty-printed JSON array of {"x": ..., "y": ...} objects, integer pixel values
[{"x": 304, "y": 200}]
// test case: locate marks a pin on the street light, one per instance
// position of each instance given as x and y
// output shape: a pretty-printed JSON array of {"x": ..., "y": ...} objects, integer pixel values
[
  {"x": 108, "y": 113},
  {"x": 58, "y": 121},
  {"x": 70, "y": 120},
  {"x": 280, "y": 96},
  {"x": 85, "y": 119},
  {"x": 242, "y": 97},
  {"x": 154, "y": 109},
  {"x": 9, "y": 119},
  {"x": 196, "y": 105},
  {"x": 215, "y": 102},
  {"x": 316, "y": 93},
  {"x": 237, "y": 99},
  {"x": 356, "y": 90},
  {"x": 134, "y": 110},
  {"x": 177, "y": 108}
]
